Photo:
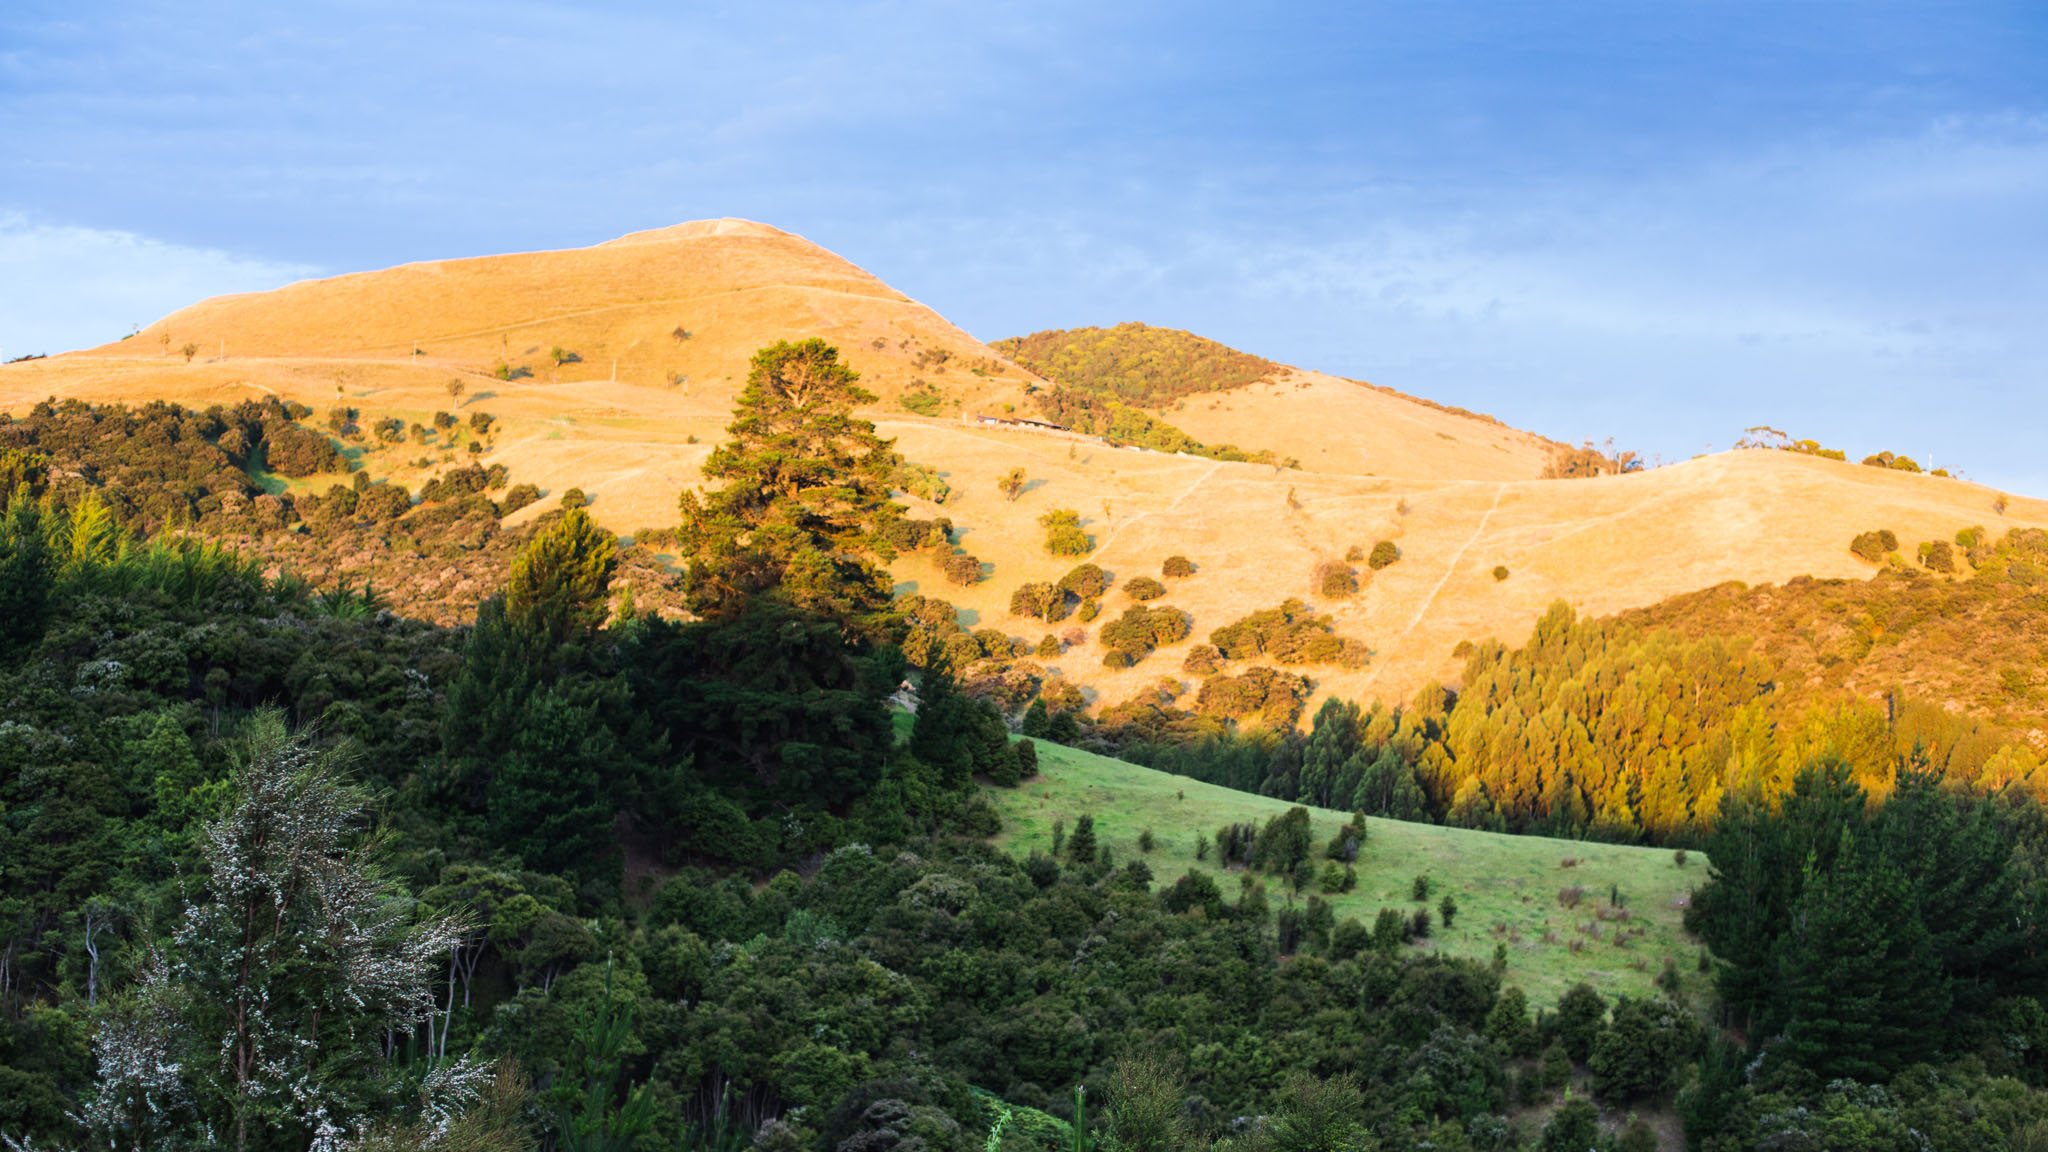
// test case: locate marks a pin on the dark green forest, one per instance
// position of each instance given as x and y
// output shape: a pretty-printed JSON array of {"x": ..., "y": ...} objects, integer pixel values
[{"x": 283, "y": 869}]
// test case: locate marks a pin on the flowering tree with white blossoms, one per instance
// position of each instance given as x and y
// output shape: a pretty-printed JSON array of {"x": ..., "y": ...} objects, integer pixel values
[{"x": 269, "y": 1017}]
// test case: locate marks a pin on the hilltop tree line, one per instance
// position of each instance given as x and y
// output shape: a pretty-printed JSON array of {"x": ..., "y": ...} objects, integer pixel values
[{"x": 1136, "y": 364}]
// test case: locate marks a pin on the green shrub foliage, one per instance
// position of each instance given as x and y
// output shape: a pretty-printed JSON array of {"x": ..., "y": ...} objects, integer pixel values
[
  {"x": 1289, "y": 634},
  {"x": 1136, "y": 363},
  {"x": 1063, "y": 533}
]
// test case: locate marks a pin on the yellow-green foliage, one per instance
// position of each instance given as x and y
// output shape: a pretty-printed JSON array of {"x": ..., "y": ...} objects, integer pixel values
[
  {"x": 1141, "y": 629},
  {"x": 1888, "y": 460},
  {"x": 1643, "y": 721},
  {"x": 1259, "y": 695},
  {"x": 1974, "y": 642},
  {"x": 562, "y": 577},
  {"x": 1063, "y": 533},
  {"x": 1136, "y": 363},
  {"x": 922, "y": 399},
  {"x": 1289, "y": 634},
  {"x": 1122, "y": 424}
]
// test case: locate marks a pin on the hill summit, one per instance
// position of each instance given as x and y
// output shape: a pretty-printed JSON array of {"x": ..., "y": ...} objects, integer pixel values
[{"x": 1404, "y": 526}]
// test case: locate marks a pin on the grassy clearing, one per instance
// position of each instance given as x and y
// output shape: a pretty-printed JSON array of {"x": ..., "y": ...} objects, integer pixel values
[{"x": 1507, "y": 887}]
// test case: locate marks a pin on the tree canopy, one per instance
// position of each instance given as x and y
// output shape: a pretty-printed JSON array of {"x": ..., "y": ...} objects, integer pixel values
[{"x": 804, "y": 513}]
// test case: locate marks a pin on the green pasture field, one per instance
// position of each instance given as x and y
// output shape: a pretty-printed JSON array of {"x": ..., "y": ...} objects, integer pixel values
[{"x": 1507, "y": 887}]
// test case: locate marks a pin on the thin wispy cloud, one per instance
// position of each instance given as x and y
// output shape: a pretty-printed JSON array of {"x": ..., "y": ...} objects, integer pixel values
[{"x": 68, "y": 287}]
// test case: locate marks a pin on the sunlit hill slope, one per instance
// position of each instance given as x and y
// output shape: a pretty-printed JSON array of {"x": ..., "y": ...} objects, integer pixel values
[{"x": 656, "y": 330}]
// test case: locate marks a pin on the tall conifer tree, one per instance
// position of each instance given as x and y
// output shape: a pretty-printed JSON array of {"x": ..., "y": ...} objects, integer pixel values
[{"x": 804, "y": 514}]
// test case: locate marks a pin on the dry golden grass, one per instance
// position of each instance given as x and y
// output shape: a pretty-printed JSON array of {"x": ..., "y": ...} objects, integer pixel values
[{"x": 1458, "y": 494}]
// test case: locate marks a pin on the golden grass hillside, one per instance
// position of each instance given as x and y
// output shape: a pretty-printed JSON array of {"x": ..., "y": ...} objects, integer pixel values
[{"x": 633, "y": 417}]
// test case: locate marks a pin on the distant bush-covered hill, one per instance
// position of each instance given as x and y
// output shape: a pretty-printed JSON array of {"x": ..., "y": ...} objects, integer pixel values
[
  {"x": 1137, "y": 364},
  {"x": 1122, "y": 424}
]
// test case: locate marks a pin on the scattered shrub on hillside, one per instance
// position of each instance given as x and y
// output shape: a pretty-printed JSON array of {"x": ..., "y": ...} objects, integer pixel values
[
  {"x": 1264, "y": 695},
  {"x": 1143, "y": 588},
  {"x": 1896, "y": 463},
  {"x": 1177, "y": 568},
  {"x": 1048, "y": 646},
  {"x": 1040, "y": 601},
  {"x": 561, "y": 356},
  {"x": 1586, "y": 460},
  {"x": 1938, "y": 556},
  {"x": 390, "y": 429},
  {"x": 1872, "y": 546},
  {"x": 922, "y": 481},
  {"x": 921, "y": 398},
  {"x": 1335, "y": 580},
  {"x": 1085, "y": 582},
  {"x": 574, "y": 498},
  {"x": 1118, "y": 658},
  {"x": 1283, "y": 843},
  {"x": 1384, "y": 554},
  {"x": 1089, "y": 610},
  {"x": 1289, "y": 634},
  {"x": 1354, "y": 555},
  {"x": 1141, "y": 629},
  {"x": 962, "y": 569},
  {"x": 1011, "y": 483},
  {"x": 1063, "y": 534},
  {"x": 1500, "y": 572},
  {"x": 443, "y": 421},
  {"x": 480, "y": 423}
]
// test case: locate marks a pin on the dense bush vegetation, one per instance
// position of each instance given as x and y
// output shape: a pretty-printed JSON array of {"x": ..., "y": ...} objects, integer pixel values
[
  {"x": 1141, "y": 629},
  {"x": 1636, "y": 727},
  {"x": 1136, "y": 364},
  {"x": 1289, "y": 634},
  {"x": 1124, "y": 425}
]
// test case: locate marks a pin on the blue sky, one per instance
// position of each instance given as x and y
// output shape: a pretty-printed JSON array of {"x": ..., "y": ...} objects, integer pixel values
[{"x": 1660, "y": 221}]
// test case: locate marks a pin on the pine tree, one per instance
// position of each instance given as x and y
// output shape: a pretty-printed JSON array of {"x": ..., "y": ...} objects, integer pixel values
[
  {"x": 27, "y": 568},
  {"x": 1332, "y": 742},
  {"x": 1860, "y": 992},
  {"x": 805, "y": 512},
  {"x": 1081, "y": 845},
  {"x": 559, "y": 582}
]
